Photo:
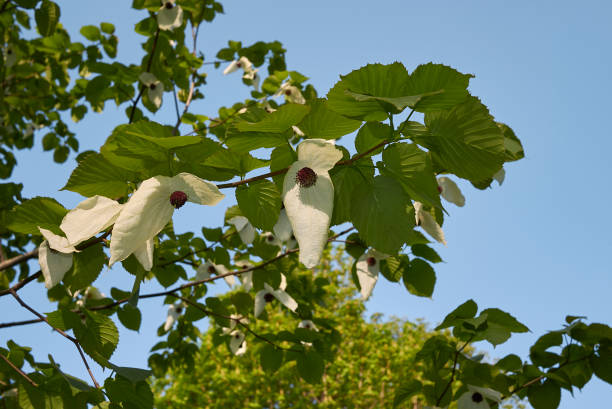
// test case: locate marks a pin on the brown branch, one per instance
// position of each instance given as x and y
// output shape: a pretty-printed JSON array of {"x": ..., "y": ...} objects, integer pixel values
[
  {"x": 21, "y": 283},
  {"x": 17, "y": 323},
  {"x": 74, "y": 340},
  {"x": 142, "y": 88},
  {"x": 2, "y": 255},
  {"x": 18, "y": 259},
  {"x": 19, "y": 371},
  {"x": 450, "y": 381}
]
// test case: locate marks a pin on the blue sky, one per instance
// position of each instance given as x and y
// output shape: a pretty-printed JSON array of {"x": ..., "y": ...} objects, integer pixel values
[{"x": 536, "y": 247}]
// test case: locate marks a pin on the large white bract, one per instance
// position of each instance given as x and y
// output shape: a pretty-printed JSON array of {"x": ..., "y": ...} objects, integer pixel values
[
  {"x": 368, "y": 268},
  {"x": 309, "y": 206},
  {"x": 169, "y": 16},
  {"x": 450, "y": 191},
  {"x": 149, "y": 209},
  {"x": 424, "y": 219},
  {"x": 155, "y": 89}
]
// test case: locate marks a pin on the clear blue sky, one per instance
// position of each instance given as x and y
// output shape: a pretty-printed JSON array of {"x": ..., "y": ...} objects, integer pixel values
[{"x": 537, "y": 247}]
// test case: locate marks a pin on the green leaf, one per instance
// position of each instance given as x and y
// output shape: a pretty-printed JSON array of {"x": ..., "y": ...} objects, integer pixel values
[
  {"x": 132, "y": 374},
  {"x": 398, "y": 102},
  {"x": 345, "y": 180},
  {"x": 546, "y": 395},
  {"x": 602, "y": 363},
  {"x": 448, "y": 84},
  {"x": 465, "y": 141},
  {"x": 98, "y": 336},
  {"x": 394, "y": 268},
  {"x": 107, "y": 28},
  {"x": 278, "y": 121},
  {"x": 465, "y": 311},
  {"x": 322, "y": 122},
  {"x": 86, "y": 267},
  {"x": 374, "y": 80},
  {"x": 426, "y": 252},
  {"x": 132, "y": 395},
  {"x": 420, "y": 278},
  {"x": 270, "y": 358},
  {"x": 92, "y": 33},
  {"x": 94, "y": 175},
  {"x": 63, "y": 319},
  {"x": 310, "y": 366},
  {"x": 130, "y": 317},
  {"x": 510, "y": 363},
  {"x": 378, "y": 211},
  {"x": 371, "y": 135},
  {"x": 406, "y": 391},
  {"x": 260, "y": 202},
  {"x": 512, "y": 144},
  {"x": 497, "y": 316},
  {"x": 412, "y": 168},
  {"x": 47, "y": 16},
  {"x": 39, "y": 211}
]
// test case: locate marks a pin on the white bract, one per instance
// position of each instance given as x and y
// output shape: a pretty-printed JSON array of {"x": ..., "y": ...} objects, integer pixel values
[
  {"x": 308, "y": 195},
  {"x": 368, "y": 268},
  {"x": 282, "y": 229},
  {"x": 254, "y": 77},
  {"x": 155, "y": 89},
  {"x": 205, "y": 270},
  {"x": 476, "y": 398},
  {"x": 307, "y": 324},
  {"x": 89, "y": 218},
  {"x": 244, "y": 228},
  {"x": 291, "y": 92},
  {"x": 268, "y": 294},
  {"x": 242, "y": 62},
  {"x": 54, "y": 257},
  {"x": 271, "y": 239},
  {"x": 169, "y": 16},
  {"x": 500, "y": 176},
  {"x": 151, "y": 207},
  {"x": 237, "y": 343},
  {"x": 174, "y": 310},
  {"x": 450, "y": 191},
  {"x": 428, "y": 223}
]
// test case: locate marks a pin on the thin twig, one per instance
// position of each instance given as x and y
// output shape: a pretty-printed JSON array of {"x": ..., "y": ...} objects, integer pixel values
[
  {"x": 19, "y": 371},
  {"x": 74, "y": 340},
  {"x": 142, "y": 88},
  {"x": 18, "y": 259},
  {"x": 21, "y": 283},
  {"x": 452, "y": 378},
  {"x": 17, "y": 323}
]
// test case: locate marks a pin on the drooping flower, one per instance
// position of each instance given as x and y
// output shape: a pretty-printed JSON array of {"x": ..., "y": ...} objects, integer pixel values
[
  {"x": 268, "y": 294},
  {"x": 253, "y": 76},
  {"x": 307, "y": 324},
  {"x": 151, "y": 207},
  {"x": 291, "y": 93},
  {"x": 500, "y": 176},
  {"x": 368, "y": 268},
  {"x": 476, "y": 398},
  {"x": 54, "y": 257},
  {"x": 89, "y": 218},
  {"x": 271, "y": 239},
  {"x": 237, "y": 342},
  {"x": 450, "y": 191},
  {"x": 244, "y": 228},
  {"x": 174, "y": 311},
  {"x": 308, "y": 195},
  {"x": 242, "y": 62},
  {"x": 205, "y": 270},
  {"x": 169, "y": 16},
  {"x": 428, "y": 223},
  {"x": 155, "y": 89},
  {"x": 245, "y": 278}
]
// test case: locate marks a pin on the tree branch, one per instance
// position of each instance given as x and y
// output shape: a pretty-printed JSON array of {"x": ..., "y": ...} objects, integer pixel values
[
  {"x": 142, "y": 88},
  {"x": 17, "y": 323},
  {"x": 450, "y": 381},
  {"x": 19, "y": 371},
  {"x": 18, "y": 259},
  {"x": 74, "y": 340}
]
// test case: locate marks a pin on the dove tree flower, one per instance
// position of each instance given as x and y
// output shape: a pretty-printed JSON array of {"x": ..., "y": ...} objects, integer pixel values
[
  {"x": 368, "y": 268},
  {"x": 450, "y": 191},
  {"x": 476, "y": 398},
  {"x": 254, "y": 77},
  {"x": 291, "y": 93},
  {"x": 244, "y": 228},
  {"x": 282, "y": 229},
  {"x": 174, "y": 311},
  {"x": 237, "y": 343},
  {"x": 308, "y": 196},
  {"x": 54, "y": 257},
  {"x": 151, "y": 207},
  {"x": 242, "y": 62},
  {"x": 205, "y": 270},
  {"x": 155, "y": 89},
  {"x": 169, "y": 16},
  {"x": 268, "y": 294},
  {"x": 428, "y": 223}
]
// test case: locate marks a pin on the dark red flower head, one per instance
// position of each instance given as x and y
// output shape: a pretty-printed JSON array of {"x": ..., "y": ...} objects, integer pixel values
[
  {"x": 306, "y": 177},
  {"x": 371, "y": 261},
  {"x": 178, "y": 199},
  {"x": 477, "y": 397},
  {"x": 268, "y": 297}
]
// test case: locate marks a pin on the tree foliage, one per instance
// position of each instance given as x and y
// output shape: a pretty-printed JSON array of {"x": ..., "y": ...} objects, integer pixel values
[{"x": 297, "y": 193}]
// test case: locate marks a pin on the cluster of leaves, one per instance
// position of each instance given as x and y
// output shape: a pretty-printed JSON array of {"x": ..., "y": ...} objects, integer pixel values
[
  {"x": 369, "y": 357},
  {"x": 376, "y": 193}
]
